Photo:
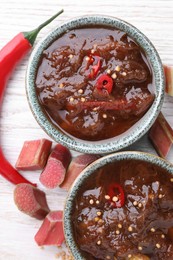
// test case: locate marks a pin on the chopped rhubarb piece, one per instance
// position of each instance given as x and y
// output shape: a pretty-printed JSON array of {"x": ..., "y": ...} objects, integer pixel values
[
  {"x": 169, "y": 79},
  {"x": 51, "y": 231},
  {"x": 34, "y": 154},
  {"x": 75, "y": 168},
  {"x": 161, "y": 135},
  {"x": 54, "y": 173},
  {"x": 31, "y": 201}
]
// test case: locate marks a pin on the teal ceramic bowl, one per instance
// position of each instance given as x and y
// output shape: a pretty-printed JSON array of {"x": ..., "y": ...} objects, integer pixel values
[
  {"x": 88, "y": 172},
  {"x": 136, "y": 131}
]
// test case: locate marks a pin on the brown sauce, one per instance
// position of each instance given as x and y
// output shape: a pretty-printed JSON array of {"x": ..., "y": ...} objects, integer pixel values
[
  {"x": 142, "y": 226},
  {"x": 68, "y": 88}
]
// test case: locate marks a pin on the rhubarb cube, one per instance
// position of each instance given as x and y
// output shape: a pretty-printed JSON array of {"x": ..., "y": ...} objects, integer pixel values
[
  {"x": 31, "y": 201},
  {"x": 34, "y": 155},
  {"x": 51, "y": 231},
  {"x": 54, "y": 172}
]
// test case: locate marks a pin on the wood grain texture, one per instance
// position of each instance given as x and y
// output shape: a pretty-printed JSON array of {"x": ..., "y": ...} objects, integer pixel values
[{"x": 153, "y": 18}]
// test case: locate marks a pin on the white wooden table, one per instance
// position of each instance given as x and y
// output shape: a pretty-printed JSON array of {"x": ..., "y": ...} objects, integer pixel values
[{"x": 153, "y": 18}]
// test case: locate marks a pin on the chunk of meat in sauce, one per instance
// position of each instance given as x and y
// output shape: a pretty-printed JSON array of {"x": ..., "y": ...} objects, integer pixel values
[
  {"x": 110, "y": 110},
  {"x": 136, "y": 105}
]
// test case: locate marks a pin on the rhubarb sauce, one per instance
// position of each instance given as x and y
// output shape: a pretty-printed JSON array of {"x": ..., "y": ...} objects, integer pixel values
[
  {"x": 94, "y": 83},
  {"x": 125, "y": 211}
]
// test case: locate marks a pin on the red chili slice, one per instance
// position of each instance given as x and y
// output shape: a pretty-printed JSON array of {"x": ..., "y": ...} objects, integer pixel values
[
  {"x": 115, "y": 190},
  {"x": 105, "y": 82},
  {"x": 95, "y": 60}
]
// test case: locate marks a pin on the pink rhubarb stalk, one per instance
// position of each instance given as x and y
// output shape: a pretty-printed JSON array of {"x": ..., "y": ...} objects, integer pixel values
[
  {"x": 51, "y": 231},
  {"x": 34, "y": 155},
  {"x": 54, "y": 172},
  {"x": 169, "y": 79},
  {"x": 77, "y": 165},
  {"x": 161, "y": 135},
  {"x": 31, "y": 201}
]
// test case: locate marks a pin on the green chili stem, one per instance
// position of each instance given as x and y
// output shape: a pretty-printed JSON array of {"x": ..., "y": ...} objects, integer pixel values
[{"x": 31, "y": 35}]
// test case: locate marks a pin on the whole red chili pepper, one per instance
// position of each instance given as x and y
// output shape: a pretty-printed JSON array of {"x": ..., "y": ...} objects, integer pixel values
[
  {"x": 10, "y": 55},
  {"x": 116, "y": 193}
]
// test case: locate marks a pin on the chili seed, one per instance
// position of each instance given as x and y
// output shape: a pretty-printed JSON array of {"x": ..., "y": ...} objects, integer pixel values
[
  {"x": 92, "y": 51},
  {"x": 152, "y": 230},
  {"x": 97, "y": 202},
  {"x": 140, "y": 248},
  {"x": 124, "y": 74},
  {"x": 158, "y": 245},
  {"x": 80, "y": 91},
  {"x": 162, "y": 236},
  {"x": 119, "y": 225},
  {"x": 91, "y": 202},
  {"x": 107, "y": 197},
  {"x": 99, "y": 213},
  {"x": 130, "y": 229},
  {"x": 71, "y": 99},
  {"x": 115, "y": 199},
  {"x": 99, "y": 242},
  {"x": 160, "y": 196},
  {"x": 96, "y": 219},
  {"x": 104, "y": 116},
  {"x": 100, "y": 221},
  {"x": 140, "y": 205},
  {"x": 108, "y": 71},
  {"x": 135, "y": 203},
  {"x": 87, "y": 58},
  {"x": 82, "y": 99},
  {"x": 114, "y": 75},
  {"x": 129, "y": 256},
  {"x": 70, "y": 56},
  {"x": 171, "y": 180},
  {"x": 108, "y": 257},
  {"x": 117, "y": 68},
  {"x": 117, "y": 232}
]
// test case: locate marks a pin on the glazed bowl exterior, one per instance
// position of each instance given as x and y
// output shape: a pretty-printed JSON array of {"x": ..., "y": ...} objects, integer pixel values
[
  {"x": 137, "y": 130},
  {"x": 88, "y": 172}
]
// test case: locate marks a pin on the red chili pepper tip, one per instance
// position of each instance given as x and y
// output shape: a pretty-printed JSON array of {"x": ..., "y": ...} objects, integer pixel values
[
  {"x": 116, "y": 194},
  {"x": 105, "y": 82}
]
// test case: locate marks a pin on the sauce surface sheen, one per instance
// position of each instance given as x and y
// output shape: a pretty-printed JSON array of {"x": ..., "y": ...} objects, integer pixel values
[
  {"x": 142, "y": 225},
  {"x": 94, "y": 83}
]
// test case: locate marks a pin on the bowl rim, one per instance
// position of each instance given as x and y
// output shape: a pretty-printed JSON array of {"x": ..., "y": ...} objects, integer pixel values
[
  {"x": 88, "y": 171},
  {"x": 112, "y": 144}
]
